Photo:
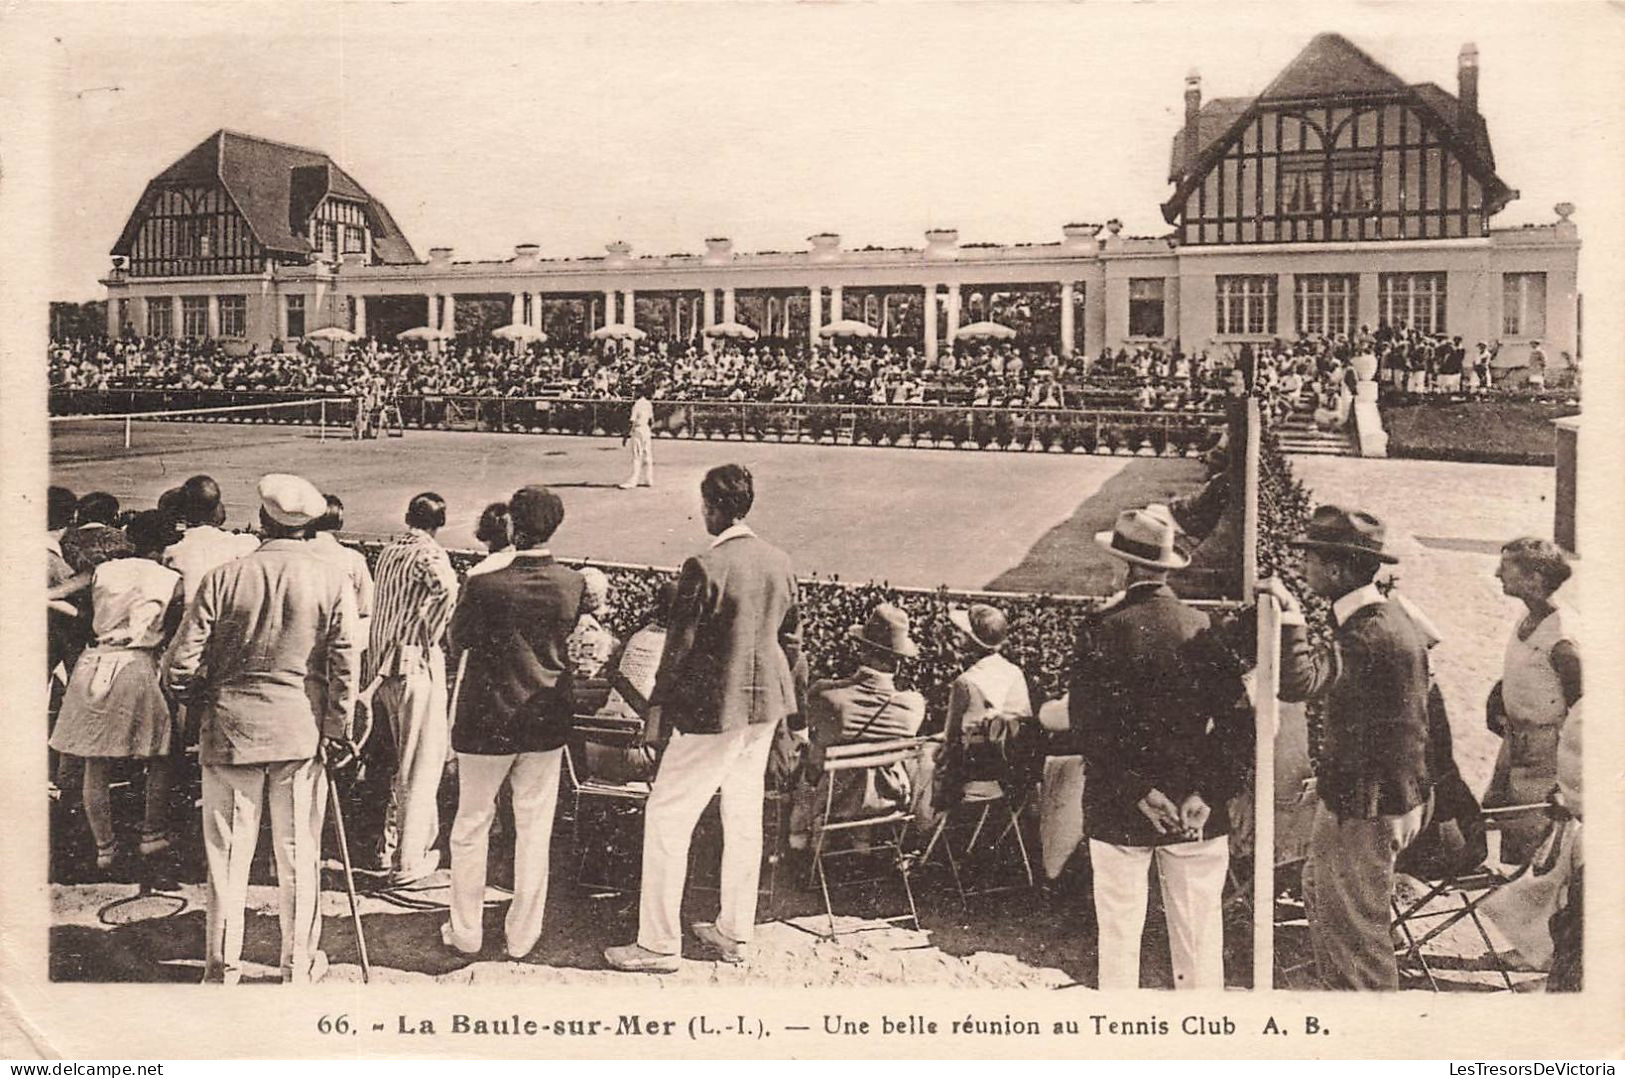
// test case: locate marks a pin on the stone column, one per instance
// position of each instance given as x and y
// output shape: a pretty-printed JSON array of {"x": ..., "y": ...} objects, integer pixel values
[
  {"x": 929, "y": 313},
  {"x": 429, "y": 318},
  {"x": 953, "y": 313},
  {"x": 138, "y": 314},
  {"x": 815, "y": 312},
  {"x": 518, "y": 307},
  {"x": 361, "y": 316},
  {"x": 631, "y": 308},
  {"x": 837, "y": 306},
  {"x": 177, "y": 328},
  {"x": 1366, "y": 302},
  {"x": 450, "y": 324},
  {"x": 709, "y": 312},
  {"x": 536, "y": 310},
  {"x": 609, "y": 306},
  {"x": 214, "y": 316},
  {"x": 1068, "y": 318},
  {"x": 112, "y": 327},
  {"x": 728, "y": 314}
]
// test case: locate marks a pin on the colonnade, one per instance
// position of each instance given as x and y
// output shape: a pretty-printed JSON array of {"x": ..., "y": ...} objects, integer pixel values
[{"x": 825, "y": 305}]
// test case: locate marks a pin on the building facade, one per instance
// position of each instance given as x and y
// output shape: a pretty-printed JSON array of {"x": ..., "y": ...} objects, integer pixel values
[{"x": 1338, "y": 197}]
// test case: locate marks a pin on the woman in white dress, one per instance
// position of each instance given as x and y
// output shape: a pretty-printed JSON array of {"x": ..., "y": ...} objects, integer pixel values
[
  {"x": 114, "y": 708},
  {"x": 1540, "y": 684}
]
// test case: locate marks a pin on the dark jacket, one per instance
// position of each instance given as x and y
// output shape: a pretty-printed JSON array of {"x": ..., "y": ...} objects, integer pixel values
[
  {"x": 1374, "y": 682},
  {"x": 1154, "y": 705},
  {"x": 516, "y": 691},
  {"x": 734, "y": 640}
]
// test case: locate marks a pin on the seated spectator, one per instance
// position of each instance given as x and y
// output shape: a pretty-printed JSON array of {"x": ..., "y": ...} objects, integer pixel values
[
  {"x": 989, "y": 713},
  {"x": 591, "y": 644},
  {"x": 867, "y": 706}
]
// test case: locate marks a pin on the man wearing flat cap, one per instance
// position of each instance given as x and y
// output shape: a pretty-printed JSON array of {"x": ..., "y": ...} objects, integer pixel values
[
  {"x": 1153, "y": 704},
  {"x": 266, "y": 662},
  {"x": 1373, "y": 778},
  {"x": 867, "y": 706},
  {"x": 513, "y": 716}
]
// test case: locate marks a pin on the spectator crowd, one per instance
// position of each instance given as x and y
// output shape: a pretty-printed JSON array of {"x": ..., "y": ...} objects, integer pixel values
[{"x": 167, "y": 629}]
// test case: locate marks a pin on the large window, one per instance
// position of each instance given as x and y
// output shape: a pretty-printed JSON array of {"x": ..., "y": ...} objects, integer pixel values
[
  {"x": 233, "y": 316},
  {"x": 296, "y": 316},
  {"x": 194, "y": 316},
  {"x": 160, "y": 317},
  {"x": 1412, "y": 301},
  {"x": 1326, "y": 302},
  {"x": 1245, "y": 304},
  {"x": 1145, "y": 307},
  {"x": 1523, "y": 305}
]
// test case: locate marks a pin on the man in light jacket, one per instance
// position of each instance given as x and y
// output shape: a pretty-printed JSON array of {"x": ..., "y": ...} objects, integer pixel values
[
  {"x": 724, "y": 684},
  {"x": 266, "y": 661}
]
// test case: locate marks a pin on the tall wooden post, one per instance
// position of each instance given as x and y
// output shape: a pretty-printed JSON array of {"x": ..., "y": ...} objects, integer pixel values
[{"x": 1265, "y": 717}]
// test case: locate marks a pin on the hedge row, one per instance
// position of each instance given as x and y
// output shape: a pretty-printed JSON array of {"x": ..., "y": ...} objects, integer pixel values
[{"x": 1042, "y": 627}]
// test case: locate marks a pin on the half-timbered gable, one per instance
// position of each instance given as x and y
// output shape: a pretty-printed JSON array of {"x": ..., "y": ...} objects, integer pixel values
[
  {"x": 235, "y": 203},
  {"x": 1336, "y": 148}
]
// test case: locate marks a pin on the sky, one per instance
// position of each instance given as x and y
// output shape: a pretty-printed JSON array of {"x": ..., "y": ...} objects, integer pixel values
[{"x": 484, "y": 125}]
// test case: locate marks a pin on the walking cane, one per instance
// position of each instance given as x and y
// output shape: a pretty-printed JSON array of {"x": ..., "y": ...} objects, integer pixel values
[
  {"x": 344, "y": 840},
  {"x": 349, "y": 875}
]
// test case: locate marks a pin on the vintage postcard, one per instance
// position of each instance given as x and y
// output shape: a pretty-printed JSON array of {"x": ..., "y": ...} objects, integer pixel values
[{"x": 811, "y": 530}]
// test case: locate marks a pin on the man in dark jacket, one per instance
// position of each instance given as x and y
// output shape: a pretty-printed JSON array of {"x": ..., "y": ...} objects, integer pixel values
[
  {"x": 514, "y": 708},
  {"x": 1373, "y": 774},
  {"x": 1153, "y": 702},
  {"x": 724, "y": 684}
]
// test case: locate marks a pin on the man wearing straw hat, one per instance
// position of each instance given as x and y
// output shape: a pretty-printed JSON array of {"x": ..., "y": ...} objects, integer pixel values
[
  {"x": 1153, "y": 702},
  {"x": 1373, "y": 778},
  {"x": 266, "y": 660}
]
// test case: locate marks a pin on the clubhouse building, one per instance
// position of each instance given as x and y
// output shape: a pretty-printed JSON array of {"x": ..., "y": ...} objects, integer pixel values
[{"x": 1338, "y": 196}]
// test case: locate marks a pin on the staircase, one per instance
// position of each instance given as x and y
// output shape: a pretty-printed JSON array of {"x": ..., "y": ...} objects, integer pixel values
[{"x": 1298, "y": 434}]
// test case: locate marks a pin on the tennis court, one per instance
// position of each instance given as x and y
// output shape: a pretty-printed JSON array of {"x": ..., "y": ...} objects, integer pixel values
[{"x": 966, "y": 519}]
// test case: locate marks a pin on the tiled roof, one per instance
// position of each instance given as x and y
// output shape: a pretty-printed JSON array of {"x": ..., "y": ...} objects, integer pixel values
[
  {"x": 1331, "y": 66},
  {"x": 275, "y": 186}
]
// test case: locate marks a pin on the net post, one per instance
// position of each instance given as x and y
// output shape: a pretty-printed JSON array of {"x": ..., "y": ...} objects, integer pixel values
[
  {"x": 126, "y": 432},
  {"x": 322, "y": 437}
]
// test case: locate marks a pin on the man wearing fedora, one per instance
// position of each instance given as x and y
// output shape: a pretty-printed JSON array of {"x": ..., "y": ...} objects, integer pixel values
[
  {"x": 867, "y": 706},
  {"x": 725, "y": 682},
  {"x": 1153, "y": 702},
  {"x": 1372, "y": 779},
  {"x": 266, "y": 661}
]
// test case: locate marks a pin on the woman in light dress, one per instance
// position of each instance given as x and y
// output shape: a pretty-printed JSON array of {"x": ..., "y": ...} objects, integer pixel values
[
  {"x": 114, "y": 708},
  {"x": 1540, "y": 684}
]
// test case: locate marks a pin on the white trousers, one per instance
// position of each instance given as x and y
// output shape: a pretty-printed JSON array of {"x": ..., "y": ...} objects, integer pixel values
[
  {"x": 534, "y": 777},
  {"x": 694, "y": 768},
  {"x": 1192, "y": 877},
  {"x": 233, "y": 795},
  {"x": 414, "y": 705},
  {"x": 643, "y": 458}
]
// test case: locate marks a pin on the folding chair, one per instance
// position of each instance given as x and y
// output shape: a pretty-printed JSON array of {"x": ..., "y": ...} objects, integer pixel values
[
  {"x": 997, "y": 794},
  {"x": 849, "y": 763},
  {"x": 1457, "y": 896},
  {"x": 594, "y": 740}
]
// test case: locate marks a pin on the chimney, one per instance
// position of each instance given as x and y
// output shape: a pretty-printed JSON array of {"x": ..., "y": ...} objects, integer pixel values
[
  {"x": 1467, "y": 77},
  {"x": 1193, "y": 109}
]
